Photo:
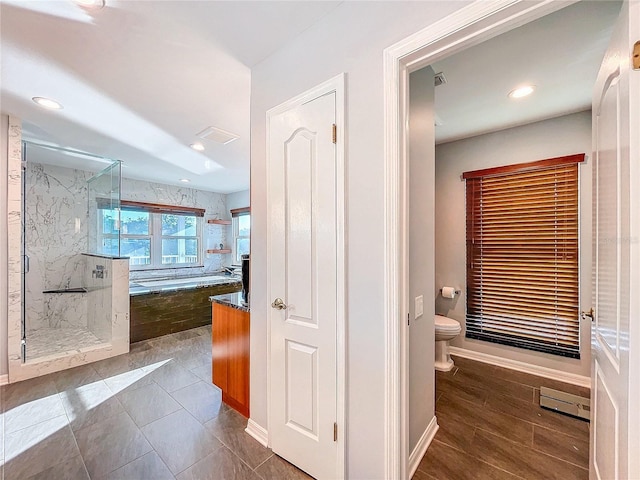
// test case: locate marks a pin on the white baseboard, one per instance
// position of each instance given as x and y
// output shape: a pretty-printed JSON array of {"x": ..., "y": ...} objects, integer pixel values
[
  {"x": 257, "y": 432},
  {"x": 421, "y": 447},
  {"x": 4, "y": 379},
  {"x": 545, "y": 372}
]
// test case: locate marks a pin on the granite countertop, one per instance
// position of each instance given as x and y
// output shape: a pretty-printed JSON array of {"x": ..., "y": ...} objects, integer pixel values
[
  {"x": 233, "y": 300},
  {"x": 139, "y": 287}
]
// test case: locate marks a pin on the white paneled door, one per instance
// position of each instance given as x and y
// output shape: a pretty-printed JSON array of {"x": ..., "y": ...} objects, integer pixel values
[
  {"x": 303, "y": 269},
  {"x": 614, "y": 142}
]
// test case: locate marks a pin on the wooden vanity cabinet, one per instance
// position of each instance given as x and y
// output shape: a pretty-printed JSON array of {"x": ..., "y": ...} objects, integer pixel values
[{"x": 230, "y": 359}]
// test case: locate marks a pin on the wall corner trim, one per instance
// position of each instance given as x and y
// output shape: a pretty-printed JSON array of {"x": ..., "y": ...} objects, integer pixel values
[
  {"x": 545, "y": 372},
  {"x": 423, "y": 444},
  {"x": 4, "y": 379},
  {"x": 257, "y": 432}
]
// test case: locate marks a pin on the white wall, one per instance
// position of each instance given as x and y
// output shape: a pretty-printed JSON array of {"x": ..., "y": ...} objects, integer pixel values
[
  {"x": 421, "y": 252},
  {"x": 350, "y": 39},
  {"x": 239, "y": 199},
  {"x": 551, "y": 138},
  {"x": 4, "y": 266}
]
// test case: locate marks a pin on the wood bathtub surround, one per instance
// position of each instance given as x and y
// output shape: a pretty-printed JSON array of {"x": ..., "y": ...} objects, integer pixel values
[
  {"x": 161, "y": 313},
  {"x": 230, "y": 359}
]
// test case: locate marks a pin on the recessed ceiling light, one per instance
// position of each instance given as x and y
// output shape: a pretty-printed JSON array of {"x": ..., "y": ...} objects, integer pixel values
[
  {"x": 47, "y": 103},
  {"x": 197, "y": 146},
  {"x": 185, "y": 180},
  {"x": 94, "y": 4},
  {"x": 522, "y": 91}
]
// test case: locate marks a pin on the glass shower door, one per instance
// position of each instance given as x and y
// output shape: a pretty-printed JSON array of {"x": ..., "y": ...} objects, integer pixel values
[{"x": 58, "y": 305}]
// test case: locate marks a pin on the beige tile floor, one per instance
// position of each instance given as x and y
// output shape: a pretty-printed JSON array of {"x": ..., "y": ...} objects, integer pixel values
[{"x": 150, "y": 414}]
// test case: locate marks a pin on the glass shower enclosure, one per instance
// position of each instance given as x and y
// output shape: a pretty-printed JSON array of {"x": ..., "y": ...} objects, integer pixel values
[
  {"x": 104, "y": 193},
  {"x": 70, "y": 228}
]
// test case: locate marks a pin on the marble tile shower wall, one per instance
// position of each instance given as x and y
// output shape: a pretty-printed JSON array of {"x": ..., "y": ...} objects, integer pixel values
[
  {"x": 99, "y": 306},
  {"x": 56, "y": 235},
  {"x": 215, "y": 205}
]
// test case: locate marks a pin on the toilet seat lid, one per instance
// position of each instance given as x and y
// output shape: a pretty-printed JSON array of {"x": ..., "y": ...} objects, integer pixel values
[{"x": 446, "y": 323}]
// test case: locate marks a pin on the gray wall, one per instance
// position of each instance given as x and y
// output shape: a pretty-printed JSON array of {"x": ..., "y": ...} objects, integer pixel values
[
  {"x": 350, "y": 39},
  {"x": 551, "y": 138},
  {"x": 238, "y": 199},
  {"x": 421, "y": 252}
]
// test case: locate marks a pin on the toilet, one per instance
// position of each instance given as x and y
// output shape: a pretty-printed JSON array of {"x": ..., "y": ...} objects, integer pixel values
[{"x": 446, "y": 329}]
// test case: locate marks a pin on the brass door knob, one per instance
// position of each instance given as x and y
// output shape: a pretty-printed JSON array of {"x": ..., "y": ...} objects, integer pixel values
[{"x": 278, "y": 304}]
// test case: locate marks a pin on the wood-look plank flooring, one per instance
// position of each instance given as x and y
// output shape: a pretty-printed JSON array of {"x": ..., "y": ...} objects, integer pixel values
[{"x": 492, "y": 427}]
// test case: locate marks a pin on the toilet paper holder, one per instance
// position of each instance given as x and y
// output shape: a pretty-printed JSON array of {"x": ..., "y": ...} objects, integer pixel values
[{"x": 457, "y": 292}]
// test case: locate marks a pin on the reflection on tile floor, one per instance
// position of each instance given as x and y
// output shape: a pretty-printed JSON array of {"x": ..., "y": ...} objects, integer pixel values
[
  {"x": 150, "y": 414},
  {"x": 492, "y": 427}
]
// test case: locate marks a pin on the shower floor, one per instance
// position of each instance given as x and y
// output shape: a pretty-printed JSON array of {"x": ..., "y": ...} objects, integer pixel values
[{"x": 53, "y": 341}]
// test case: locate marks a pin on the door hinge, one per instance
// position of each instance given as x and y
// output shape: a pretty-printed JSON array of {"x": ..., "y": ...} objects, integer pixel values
[
  {"x": 335, "y": 432},
  {"x": 408, "y": 320},
  {"x": 591, "y": 314},
  {"x": 636, "y": 56},
  {"x": 334, "y": 133}
]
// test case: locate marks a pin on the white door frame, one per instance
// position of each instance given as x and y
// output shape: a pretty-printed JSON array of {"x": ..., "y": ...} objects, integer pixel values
[
  {"x": 466, "y": 27},
  {"x": 337, "y": 85}
]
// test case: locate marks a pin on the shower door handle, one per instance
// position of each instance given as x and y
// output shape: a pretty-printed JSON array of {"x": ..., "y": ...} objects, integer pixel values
[{"x": 26, "y": 264}]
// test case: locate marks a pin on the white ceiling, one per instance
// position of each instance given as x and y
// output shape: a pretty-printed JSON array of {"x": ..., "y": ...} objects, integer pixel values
[
  {"x": 560, "y": 54},
  {"x": 139, "y": 79}
]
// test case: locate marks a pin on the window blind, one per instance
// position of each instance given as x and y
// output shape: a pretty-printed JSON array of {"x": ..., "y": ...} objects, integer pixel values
[
  {"x": 109, "y": 204},
  {"x": 238, "y": 212},
  {"x": 522, "y": 255},
  {"x": 158, "y": 208}
]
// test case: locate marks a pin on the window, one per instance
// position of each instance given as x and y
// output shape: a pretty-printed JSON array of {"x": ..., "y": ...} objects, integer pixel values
[
  {"x": 522, "y": 255},
  {"x": 179, "y": 239},
  {"x": 153, "y": 236},
  {"x": 241, "y": 232}
]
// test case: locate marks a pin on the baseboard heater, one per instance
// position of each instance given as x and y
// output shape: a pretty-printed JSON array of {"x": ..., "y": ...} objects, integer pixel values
[{"x": 565, "y": 403}]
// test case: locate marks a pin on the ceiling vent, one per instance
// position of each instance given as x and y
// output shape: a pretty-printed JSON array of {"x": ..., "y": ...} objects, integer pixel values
[
  {"x": 440, "y": 79},
  {"x": 217, "y": 135}
]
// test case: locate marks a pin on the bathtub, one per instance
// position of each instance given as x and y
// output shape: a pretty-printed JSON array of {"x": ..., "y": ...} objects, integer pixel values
[
  {"x": 186, "y": 282},
  {"x": 169, "y": 305}
]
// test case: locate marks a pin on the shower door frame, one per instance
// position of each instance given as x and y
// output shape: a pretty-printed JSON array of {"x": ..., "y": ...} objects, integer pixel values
[
  {"x": 24, "y": 256},
  {"x": 21, "y": 367}
]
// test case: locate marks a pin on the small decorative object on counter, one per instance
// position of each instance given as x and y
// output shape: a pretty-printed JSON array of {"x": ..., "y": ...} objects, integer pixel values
[{"x": 221, "y": 246}]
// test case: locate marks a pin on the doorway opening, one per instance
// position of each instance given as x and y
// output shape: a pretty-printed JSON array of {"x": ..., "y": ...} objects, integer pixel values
[{"x": 461, "y": 31}]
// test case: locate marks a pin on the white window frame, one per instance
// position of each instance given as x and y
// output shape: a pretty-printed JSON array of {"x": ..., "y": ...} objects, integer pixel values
[
  {"x": 235, "y": 224},
  {"x": 155, "y": 236}
]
